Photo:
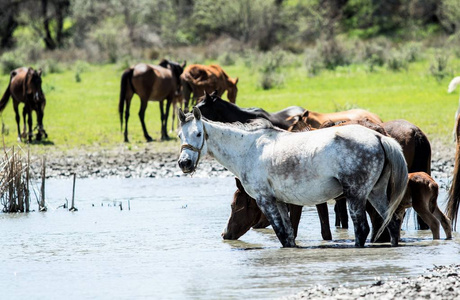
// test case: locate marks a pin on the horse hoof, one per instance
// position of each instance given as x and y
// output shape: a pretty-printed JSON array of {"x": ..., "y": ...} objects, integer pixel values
[{"x": 149, "y": 139}]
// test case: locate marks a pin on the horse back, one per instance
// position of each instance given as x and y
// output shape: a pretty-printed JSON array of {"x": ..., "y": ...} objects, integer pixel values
[
  {"x": 18, "y": 78},
  {"x": 153, "y": 82}
]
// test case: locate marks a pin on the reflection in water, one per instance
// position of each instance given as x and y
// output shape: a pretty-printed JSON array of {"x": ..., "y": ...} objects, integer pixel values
[{"x": 169, "y": 246}]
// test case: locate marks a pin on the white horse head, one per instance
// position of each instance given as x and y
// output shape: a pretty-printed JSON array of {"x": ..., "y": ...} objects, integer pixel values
[{"x": 193, "y": 140}]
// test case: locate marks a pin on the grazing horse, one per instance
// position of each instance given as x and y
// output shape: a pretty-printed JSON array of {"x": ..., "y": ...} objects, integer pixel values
[
  {"x": 453, "y": 198},
  {"x": 304, "y": 168},
  {"x": 198, "y": 79},
  {"x": 149, "y": 82},
  {"x": 422, "y": 195},
  {"x": 26, "y": 86}
]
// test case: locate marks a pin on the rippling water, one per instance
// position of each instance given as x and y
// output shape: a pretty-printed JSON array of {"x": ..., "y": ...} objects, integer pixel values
[{"x": 168, "y": 245}]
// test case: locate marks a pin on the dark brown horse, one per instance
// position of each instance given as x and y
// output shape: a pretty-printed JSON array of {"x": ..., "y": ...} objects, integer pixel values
[
  {"x": 150, "y": 83},
  {"x": 25, "y": 86},
  {"x": 453, "y": 198},
  {"x": 198, "y": 79},
  {"x": 212, "y": 107}
]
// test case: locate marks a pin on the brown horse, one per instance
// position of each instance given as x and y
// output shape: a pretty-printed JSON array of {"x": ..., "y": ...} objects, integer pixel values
[
  {"x": 198, "y": 79},
  {"x": 316, "y": 119},
  {"x": 25, "y": 86},
  {"x": 422, "y": 195},
  {"x": 150, "y": 82},
  {"x": 453, "y": 198}
]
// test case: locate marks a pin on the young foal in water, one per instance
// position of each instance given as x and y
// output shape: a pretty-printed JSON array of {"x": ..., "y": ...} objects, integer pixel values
[{"x": 303, "y": 168}]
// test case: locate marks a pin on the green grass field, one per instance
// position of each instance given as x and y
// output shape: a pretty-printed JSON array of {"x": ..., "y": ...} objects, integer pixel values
[{"x": 84, "y": 114}]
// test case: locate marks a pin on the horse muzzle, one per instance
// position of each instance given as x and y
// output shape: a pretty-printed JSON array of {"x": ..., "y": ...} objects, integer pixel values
[{"x": 186, "y": 165}]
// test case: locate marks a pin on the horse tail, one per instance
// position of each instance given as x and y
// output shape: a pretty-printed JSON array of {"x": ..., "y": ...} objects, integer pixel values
[
  {"x": 126, "y": 78},
  {"x": 397, "y": 182},
  {"x": 6, "y": 95},
  {"x": 423, "y": 157},
  {"x": 453, "y": 198},
  {"x": 453, "y": 84}
]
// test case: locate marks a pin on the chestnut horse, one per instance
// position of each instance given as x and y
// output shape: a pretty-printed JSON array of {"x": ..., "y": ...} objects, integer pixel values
[
  {"x": 25, "y": 86},
  {"x": 150, "y": 83},
  {"x": 453, "y": 198},
  {"x": 198, "y": 79},
  {"x": 316, "y": 119},
  {"x": 422, "y": 195}
]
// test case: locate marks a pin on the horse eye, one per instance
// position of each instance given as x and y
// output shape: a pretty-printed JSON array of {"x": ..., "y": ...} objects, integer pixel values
[{"x": 199, "y": 134}]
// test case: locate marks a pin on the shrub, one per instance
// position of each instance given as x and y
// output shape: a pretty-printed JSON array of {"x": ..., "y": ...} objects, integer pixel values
[
  {"x": 439, "y": 67},
  {"x": 334, "y": 54},
  {"x": 397, "y": 61},
  {"x": 313, "y": 62},
  {"x": 10, "y": 61}
]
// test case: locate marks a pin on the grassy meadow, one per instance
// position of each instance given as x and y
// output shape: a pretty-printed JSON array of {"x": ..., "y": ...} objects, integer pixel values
[{"x": 82, "y": 101}]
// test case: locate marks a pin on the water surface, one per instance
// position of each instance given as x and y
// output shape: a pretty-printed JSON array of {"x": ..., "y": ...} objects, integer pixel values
[{"x": 168, "y": 246}]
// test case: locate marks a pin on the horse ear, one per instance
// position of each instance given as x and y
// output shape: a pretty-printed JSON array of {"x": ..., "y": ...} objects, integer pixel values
[
  {"x": 236, "y": 80},
  {"x": 39, "y": 72},
  {"x": 305, "y": 114},
  {"x": 214, "y": 93},
  {"x": 184, "y": 64},
  {"x": 181, "y": 115},
  {"x": 196, "y": 113},
  {"x": 238, "y": 184}
]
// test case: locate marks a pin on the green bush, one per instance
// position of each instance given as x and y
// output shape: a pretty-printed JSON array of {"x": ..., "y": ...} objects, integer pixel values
[
  {"x": 10, "y": 61},
  {"x": 439, "y": 67},
  {"x": 397, "y": 61}
]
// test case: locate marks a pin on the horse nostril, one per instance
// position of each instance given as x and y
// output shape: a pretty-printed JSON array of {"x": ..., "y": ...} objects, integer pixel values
[{"x": 185, "y": 164}]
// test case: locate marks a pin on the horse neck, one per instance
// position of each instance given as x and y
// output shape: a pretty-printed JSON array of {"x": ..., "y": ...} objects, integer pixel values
[
  {"x": 233, "y": 113},
  {"x": 228, "y": 145}
]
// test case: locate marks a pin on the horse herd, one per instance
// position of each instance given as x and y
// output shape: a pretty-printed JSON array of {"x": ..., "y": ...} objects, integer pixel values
[{"x": 282, "y": 160}]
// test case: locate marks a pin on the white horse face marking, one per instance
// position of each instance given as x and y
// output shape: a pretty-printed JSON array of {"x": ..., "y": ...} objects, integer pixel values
[{"x": 192, "y": 136}]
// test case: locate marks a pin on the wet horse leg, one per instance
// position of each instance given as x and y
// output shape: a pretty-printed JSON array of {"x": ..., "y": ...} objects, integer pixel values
[
  {"x": 295, "y": 212},
  {"x": 340, "y": 209},
  {"x": 323, "y": 214},
  {"x": 445, "y": 222},
  {"x": 357, "y": 211},
  {"x": 142, "y": 117},
  {"x": 277, "y": 213}
]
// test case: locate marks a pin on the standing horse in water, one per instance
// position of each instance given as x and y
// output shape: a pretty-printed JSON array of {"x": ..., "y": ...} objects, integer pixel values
[
  {"x": 305, "y": 168},
  {"x": 154, "y": 83},
  {"x": 453, "y": 197},
  {"x": 25, "y": 86},
  {"x": 198, "y": 79}
]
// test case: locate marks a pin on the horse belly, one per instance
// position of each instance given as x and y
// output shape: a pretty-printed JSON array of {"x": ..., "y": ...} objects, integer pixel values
[{"x": 308, "y": 193}]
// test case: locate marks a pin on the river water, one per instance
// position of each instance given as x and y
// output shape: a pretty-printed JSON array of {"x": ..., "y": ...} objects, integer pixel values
[{"x": 168, "y": 246}]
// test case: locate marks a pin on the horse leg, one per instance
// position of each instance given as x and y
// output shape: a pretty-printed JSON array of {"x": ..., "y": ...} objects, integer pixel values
[
  {"x": 379, "y": 200},
  {"x": 277, "y": 213},
  {"x": 29, "y": 122},
  {"x": 341, "y": 204},
  {"x": 164, "y": 131},
  {"x": 420, "y": 205},
  {"x": 41, "y": 129},
  {"x": 356, "y": 207},
  {"x": 128, "y": 105},
  {"x": 295, "y": 212},
  {"x": 24, "y": 120},
  {"x": 445, "y": 222},
  {"x": 323, "y": 214},
  {"x": 16, "y": 110},
  {"x": 142, "y": 117},
  {"x": 377, "y": 222}
]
